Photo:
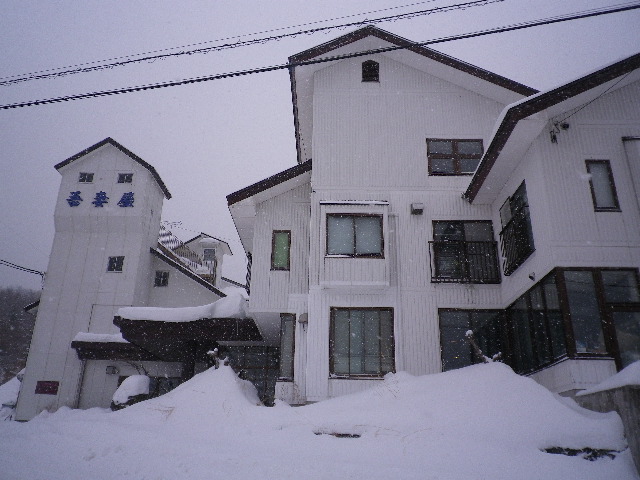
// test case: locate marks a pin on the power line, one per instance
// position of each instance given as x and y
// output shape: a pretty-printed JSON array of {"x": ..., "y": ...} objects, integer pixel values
[
  {"x": 213, "y": 41},
  {"x": 21, "y": 268},
  {"x": 75, "y": 69},
  {"x": 152, "y": 86}
]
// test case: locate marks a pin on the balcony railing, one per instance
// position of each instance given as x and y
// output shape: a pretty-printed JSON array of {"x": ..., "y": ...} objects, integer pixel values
[
  {"x": 516, "y": 240},
  {"x": 464, "y": 262}
]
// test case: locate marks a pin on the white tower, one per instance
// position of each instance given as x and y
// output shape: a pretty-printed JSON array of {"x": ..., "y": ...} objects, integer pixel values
[{"x": 107, "y": 217}]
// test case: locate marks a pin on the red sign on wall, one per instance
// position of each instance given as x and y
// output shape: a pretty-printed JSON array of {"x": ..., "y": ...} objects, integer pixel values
[{"x": 47, "y": 387}]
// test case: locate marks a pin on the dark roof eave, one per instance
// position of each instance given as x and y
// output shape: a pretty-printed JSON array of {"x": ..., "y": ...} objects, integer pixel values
[
  {"x": 124, "y": 150},
  {"x": 400, "y": 42},
  {"x": 537, "y": 104},
  {"x": 269, "y": 182}
]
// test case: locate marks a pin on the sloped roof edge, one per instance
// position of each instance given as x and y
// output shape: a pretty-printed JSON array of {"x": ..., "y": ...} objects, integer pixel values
[
  {"x": 269, "y": 182},
  {"x": 124, "y": 150},
  {"x": 416, "y": 47},
  {"x": 186, "y": 271},
  {"x": 535, "y": 104}
]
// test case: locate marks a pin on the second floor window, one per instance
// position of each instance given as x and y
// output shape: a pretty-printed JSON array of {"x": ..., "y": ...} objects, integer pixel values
[
  {"x": 453, "y": 157},
  {"x": 162, "y": 279},
  {"x": 603, "y": 190},
  {"x": 516, "y": 237},
  {"x": 464, "y": 252},
  {"x": 355, "y": 235},
  {"x": 280, "y": 248}
]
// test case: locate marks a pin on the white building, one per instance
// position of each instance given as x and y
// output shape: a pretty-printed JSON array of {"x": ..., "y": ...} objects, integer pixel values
[
  {"x": 383, "y": 254},
  {"x": 106, "y": 256}
]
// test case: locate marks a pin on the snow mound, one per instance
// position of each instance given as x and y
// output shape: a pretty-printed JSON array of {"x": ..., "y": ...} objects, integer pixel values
[
  {"x": 132, "y": 386},
  {"x": 234, "y": 305},
  {"x": 628, "y": 376},
  {"x": 217, "y": 395}
]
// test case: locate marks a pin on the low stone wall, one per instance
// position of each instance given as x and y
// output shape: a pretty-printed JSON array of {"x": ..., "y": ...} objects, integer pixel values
[{"x": 625, "y": 401}]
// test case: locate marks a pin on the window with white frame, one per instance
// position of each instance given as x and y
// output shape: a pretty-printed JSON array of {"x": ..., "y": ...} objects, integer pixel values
[
  {"x": 603, "y": 189},
  {"x": 355, "y": 235}
]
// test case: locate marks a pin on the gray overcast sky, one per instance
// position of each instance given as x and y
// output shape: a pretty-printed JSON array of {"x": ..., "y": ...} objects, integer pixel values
[{"x": 210, "y": 139}]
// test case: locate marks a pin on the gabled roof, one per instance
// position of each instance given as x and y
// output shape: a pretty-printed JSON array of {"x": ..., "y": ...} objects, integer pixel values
[
  {"x": 513, "y": 130},
  {"x": 124, "y": 150},
  {"x": 242, "y": 204},
  {"x": 203, "y": 235},
  {"x": 400, "y": 43}
]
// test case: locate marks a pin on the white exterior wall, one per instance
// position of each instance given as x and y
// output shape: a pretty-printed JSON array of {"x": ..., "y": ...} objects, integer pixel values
[
  {"x": 181, "y": 290},
  {"x": 356, "y": 157},
  {"x": 566, "y": 229},
  {"x": 79, "y": 294},
  {"x": 98, "y": 387},
  {"x": 271, "y": 289}
]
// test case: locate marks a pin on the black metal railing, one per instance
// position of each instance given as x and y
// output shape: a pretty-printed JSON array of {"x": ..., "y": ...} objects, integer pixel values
[
  {"x": 464, "y": 262},
  {"x": 516, "y": 241}
]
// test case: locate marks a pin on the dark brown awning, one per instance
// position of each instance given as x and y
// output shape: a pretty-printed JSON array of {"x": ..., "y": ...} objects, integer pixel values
[
  {"x": 175, "y": 341},
  {"x": 110, "y": 351}
]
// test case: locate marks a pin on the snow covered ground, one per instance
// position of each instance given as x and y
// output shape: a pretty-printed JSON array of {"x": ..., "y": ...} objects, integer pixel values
[{"x": 480, "y": 422}]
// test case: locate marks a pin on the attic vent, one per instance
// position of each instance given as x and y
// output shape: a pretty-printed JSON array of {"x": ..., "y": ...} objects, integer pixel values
[{"x": 370, "y": 71}]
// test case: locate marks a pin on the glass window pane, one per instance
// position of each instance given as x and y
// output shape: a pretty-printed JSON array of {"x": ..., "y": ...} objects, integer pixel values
[
  {"x": 386, "y": 342},
  {"x": 372, "y": 341},
  {"x": 487, "y": 329},
  {"x": 521, "y": 336},
  {"x": 454, "y": 347},
  {"x": 478, "y": 232},
  {"x": 356, "y": 341},
  {"x": 286, "y": 346},
  {"x": 209, "y": 254},
  {"x": 469, "y": 165},
  {"x": 585, "y": 314},
  {"x": 602, "y": 185},
  {"x": 620, "y": 286},
  {"x": 340, "y": 235},
  {"x": 627, "y": 325},
  {"x": 368, "y": 235},
  {"x": 280, "y": 255},
  {"x": 470, "y": 147},
  {"x": 444, "y": 147},
  {"x": 442, "y": 165},
  {"x": 448, "y": 231}
]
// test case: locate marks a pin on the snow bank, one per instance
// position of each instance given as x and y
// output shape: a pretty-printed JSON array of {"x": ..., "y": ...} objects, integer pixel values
[
  {"x": 628, "y": 376},
  {"x": 479, "y": 422},
  {"x": 231, "y": 306},
  {"x": 9, "y": 396}
]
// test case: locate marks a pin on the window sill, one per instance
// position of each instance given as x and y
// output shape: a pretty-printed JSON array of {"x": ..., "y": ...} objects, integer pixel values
[
  {"x": 342, "y": 284},
  {"x": 370, "y": 257},
  {"x": 356, "y": 377}
]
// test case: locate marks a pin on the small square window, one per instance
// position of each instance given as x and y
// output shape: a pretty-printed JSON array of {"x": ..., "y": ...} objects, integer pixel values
[
  {"x": 162, "y": 279},
  {"x": 115, "y": 264},
  {"x": 125, "y": 178},
  {"x": 85, "y": 177},
  {"x": 209, "y": 254}
]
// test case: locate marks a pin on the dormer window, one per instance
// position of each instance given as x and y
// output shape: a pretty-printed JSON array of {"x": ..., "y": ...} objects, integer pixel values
[
  {"x": 370, "y": 71},
  {"x": 85, "y": 177}
]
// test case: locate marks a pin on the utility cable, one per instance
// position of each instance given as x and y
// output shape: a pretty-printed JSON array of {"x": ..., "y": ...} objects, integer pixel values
[
  {"x": 21, "y": 268},
  {"x": 75, "y": 69},
  {"x": 152, "y": 86},
  {"x": 218, "y": 40}
]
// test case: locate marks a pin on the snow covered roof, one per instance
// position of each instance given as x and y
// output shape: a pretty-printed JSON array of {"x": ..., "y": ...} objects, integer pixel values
[
  {"x": 521, "y": 122},
  {"x": 129, "y": 153},
  {"x": 202, "y": 238}
]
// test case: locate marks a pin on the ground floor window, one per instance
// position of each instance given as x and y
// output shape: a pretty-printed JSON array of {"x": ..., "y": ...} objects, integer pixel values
[
  {"x": 287, "y": 340},
  {"x": 572, "y": 312},
  {"x": 361, "y": 342},
  {"x": 259, "y": 365}
]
